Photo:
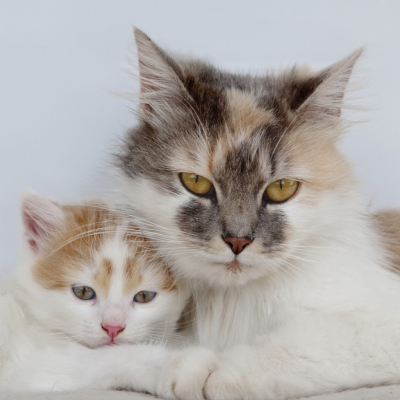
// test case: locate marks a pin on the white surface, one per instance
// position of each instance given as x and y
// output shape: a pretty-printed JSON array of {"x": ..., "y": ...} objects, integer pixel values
[
  {"x": 60, "y": 60},
  {"x": 379, "y": 393},
  {"x": 81, "y": 395}
]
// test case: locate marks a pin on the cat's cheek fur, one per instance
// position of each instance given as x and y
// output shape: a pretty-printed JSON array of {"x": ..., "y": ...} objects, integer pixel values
[
  {"x": 60, "y": 310},
  {"x": 206, "y": 260},
  {"x": 161, "y": 314},
  {"x": 151, "y": 203},
  {"x": 195, "y": 263},
  {"x": 209, "y": 265}
]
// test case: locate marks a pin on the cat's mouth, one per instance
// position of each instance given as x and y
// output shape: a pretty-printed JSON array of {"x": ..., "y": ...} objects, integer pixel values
[{"x": 234, "y": 266}]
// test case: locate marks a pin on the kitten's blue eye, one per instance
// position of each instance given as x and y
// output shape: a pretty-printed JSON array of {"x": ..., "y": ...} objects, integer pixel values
[
  {"x": 144, "y": 297},
  {"x": 84, "y": 292}
]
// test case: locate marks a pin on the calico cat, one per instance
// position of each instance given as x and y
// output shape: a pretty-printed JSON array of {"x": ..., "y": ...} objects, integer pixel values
[
  {"x": 91, "y": 285},
  {"x": 261, "y": 215}
]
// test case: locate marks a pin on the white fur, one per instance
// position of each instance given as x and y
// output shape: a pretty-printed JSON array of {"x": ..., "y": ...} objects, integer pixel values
[{"x": 323, "y": 318}]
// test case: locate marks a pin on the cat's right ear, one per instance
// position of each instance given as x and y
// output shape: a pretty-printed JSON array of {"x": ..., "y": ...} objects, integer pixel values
[
  {"x": 162, "y": 93},
  {"x": 41, "y": 219}
]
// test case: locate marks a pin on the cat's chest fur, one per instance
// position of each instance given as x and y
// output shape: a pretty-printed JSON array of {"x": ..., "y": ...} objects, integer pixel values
[
  {"x": 227, "y": 317},
  {"x": 349, "y": 285}
]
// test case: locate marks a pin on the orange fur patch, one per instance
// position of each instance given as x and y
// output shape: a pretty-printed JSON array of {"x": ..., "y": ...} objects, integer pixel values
[
  {"x": 168, "y": 280},
  {"x": 145, "y": 256},
  {"x": 103, "y": 276},
  {"x": 70, "y": 249},
  {"x": 87, "y": 227},
  {"x": 319, "y": 162},
  {"x": 245, "y": 115},
  {"x": 245, "y": 118}
]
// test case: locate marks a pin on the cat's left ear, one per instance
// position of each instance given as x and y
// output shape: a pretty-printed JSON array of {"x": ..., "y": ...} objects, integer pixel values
[
  {"x": 162, "y": 93},
  {"x": 324, "y": 105},
  {"x": 41, "y": 220}
]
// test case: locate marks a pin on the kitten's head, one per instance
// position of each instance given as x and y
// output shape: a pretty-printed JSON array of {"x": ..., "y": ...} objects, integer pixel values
[
  {"x": 93, "y": 276},
  {"x": 235, "y": 171}
]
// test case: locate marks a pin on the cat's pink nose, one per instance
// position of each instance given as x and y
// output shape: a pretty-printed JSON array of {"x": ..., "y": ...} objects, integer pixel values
[
  {"x": 237, "y": 244},
  {"x": 113, "y": 331}
]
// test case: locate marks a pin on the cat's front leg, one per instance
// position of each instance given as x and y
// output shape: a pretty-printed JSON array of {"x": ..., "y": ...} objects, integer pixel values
[
  {"x": 199, "y": 373},
  {"x": 308, "y": 357},
  {"x": 184, "y": 377},
  {"x": 240, "y": 375}
]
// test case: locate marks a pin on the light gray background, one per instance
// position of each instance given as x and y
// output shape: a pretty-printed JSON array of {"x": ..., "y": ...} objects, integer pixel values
[{"x": 61, "y": 61}]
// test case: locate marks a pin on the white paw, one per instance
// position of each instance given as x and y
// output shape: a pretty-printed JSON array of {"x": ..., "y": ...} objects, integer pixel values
[
  {"x": 225, "y": 383},
  {"x": 184, "y": 378}
]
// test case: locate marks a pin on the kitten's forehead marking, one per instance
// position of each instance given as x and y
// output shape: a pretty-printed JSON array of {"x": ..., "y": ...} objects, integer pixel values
[{"x": 103, "y": 275}]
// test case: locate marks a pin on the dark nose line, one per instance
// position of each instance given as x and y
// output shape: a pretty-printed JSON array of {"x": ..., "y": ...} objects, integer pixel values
[{"x": 237, "y": 244}]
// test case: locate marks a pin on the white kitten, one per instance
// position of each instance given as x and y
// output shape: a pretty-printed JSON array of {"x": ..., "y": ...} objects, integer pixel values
[{"x": 89, "y": 286}]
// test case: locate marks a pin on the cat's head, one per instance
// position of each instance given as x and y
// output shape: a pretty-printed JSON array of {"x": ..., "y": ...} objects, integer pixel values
[
  {"x": 94, "y": 277},
  {"x": 235, "y": 172}
]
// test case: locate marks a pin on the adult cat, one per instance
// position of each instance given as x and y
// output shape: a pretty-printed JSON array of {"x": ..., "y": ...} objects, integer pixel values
[{"x": 260, "y": 213}]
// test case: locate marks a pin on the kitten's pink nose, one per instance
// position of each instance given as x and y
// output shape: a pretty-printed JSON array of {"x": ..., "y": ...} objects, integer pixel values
[
  {"x": 237, "y": 244},
  {"x": 113, "y": 331}
]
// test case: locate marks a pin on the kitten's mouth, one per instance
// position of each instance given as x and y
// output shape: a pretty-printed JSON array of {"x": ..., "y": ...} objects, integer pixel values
[{"x": 112, "y": 342}]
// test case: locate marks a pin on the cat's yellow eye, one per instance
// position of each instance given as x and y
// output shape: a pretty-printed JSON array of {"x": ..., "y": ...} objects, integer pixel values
[
  {"x": 281, "y": 190},
  {"x": 144, "y": 297},
  {"x": 196, "y": 183},
  {"x": 84, "y": 292}
]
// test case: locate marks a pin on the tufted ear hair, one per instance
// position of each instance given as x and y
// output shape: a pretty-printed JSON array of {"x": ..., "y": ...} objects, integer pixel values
[
  {"x": 324, "y": 105},
  {"x": 162, "y": 93},
  {"x": 41, "y": 219}
]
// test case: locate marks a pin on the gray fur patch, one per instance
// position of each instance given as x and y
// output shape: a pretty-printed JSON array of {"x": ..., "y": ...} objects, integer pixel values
[{"x": 199, "y": 220}]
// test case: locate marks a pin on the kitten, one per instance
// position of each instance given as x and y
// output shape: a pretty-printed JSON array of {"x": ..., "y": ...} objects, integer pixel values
[
  {"x": 90, "y": 285},
  {"x": 261, "y": 216}
]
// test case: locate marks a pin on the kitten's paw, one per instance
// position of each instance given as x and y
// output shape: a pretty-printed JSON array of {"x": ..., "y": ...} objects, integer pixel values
[
  {"x": 225, "y": 383},
  {"x": 185, "y": 377}
]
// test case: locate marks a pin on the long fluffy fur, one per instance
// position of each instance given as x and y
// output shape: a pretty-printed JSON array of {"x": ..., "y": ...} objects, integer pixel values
[{"x": 313, "y": 306}]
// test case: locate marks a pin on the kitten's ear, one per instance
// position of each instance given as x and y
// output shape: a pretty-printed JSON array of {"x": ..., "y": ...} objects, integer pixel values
[
  {"x": 327, "y": 99},
  {"x": 41, "y": 219},
  {"x": 161, "y": 90}
]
